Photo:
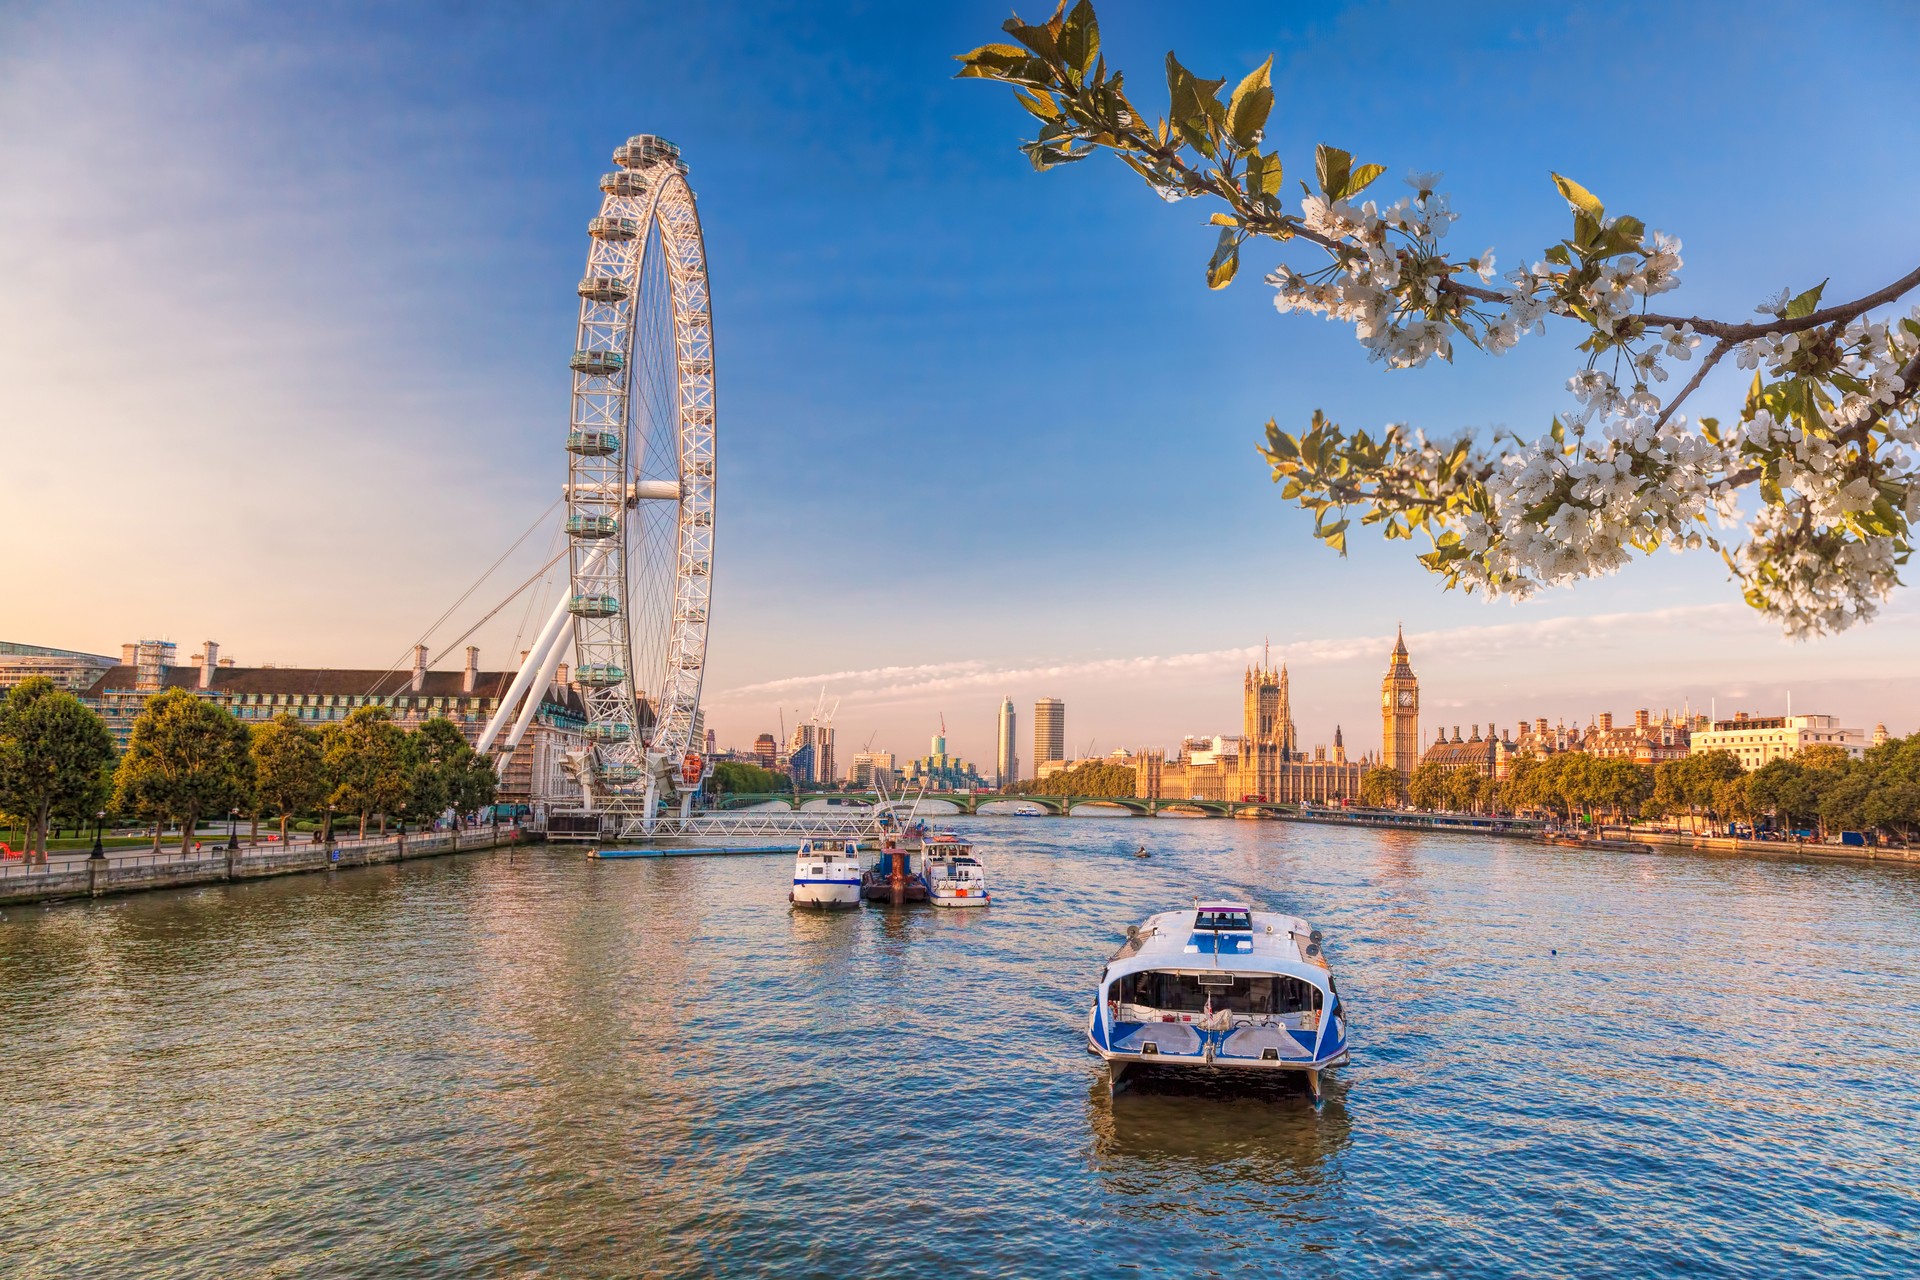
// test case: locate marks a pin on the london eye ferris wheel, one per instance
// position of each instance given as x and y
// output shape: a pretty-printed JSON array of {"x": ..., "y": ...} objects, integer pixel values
[{"x": 639, "y": 493}]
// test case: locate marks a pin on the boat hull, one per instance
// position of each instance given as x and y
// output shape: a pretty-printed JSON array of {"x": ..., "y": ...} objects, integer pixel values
[
  {"x": 963, "y": 899},
  {"x": 825, "y": 895},
  {"x": 1188, "y": 1049},
  {"x": 880, "y": 889}
]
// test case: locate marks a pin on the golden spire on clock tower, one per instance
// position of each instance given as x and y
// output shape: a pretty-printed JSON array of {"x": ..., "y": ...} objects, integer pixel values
[{"x": 1400, "y": 710}]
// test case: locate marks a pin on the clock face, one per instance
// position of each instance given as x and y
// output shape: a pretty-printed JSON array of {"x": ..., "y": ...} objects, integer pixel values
[{"x": 1406, "y": 697}]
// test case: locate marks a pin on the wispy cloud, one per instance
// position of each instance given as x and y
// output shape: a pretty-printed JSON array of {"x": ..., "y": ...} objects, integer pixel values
[{"x": 898, "y": 684}]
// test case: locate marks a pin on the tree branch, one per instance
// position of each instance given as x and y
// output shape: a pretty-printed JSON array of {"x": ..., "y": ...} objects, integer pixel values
[{"x": 1720, "y": 348}]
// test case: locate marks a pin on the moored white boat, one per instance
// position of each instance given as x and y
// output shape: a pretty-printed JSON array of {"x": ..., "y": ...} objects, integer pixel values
[
  {"x": 955, "y": 878},
  {"x": 826, "y": 876},
  {"x": 1221, "y": 987}
]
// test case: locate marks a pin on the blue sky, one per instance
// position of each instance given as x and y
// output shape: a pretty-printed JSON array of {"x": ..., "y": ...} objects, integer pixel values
[{"x": 288, "y": 298}]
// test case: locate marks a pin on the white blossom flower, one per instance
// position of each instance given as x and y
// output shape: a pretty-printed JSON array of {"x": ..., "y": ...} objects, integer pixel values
[{"x": 1680, "y": 340}]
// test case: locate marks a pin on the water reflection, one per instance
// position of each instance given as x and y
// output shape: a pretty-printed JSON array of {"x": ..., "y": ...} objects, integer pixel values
[
  {"x": 545, "y": 1065},
  {"x": 1160, "y": 1126}
]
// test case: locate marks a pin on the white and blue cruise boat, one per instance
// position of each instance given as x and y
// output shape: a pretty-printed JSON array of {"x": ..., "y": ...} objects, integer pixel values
[
  {"x": 1220, "y": 987},
  {"x": 825, "y": 876}
]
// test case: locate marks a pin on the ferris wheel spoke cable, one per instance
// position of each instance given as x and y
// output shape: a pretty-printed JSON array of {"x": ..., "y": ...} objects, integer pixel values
[
  {"x": 514, "y": 595},
  {"x": 537, "y": 522}
]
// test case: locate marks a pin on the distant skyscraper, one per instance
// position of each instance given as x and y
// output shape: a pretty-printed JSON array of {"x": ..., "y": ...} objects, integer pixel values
[
  {"x": 765, "y": 751},
  {"x": 1006, "y": 762},
  {"x": 1049, "y": 731},
  {"x": 816, "y": 740}
]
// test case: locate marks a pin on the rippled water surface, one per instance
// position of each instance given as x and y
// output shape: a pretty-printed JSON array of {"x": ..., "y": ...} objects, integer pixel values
[{"x": 1565, "y": 1064}]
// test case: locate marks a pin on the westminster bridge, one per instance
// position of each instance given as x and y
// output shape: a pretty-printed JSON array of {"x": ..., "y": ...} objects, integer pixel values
[
  {"x": 1141, "y": 807},
  {"x": 970, "y": 803}
]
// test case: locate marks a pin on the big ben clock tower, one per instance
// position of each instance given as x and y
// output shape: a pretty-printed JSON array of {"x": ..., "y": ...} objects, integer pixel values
[{"x": 1400, "y": 711}]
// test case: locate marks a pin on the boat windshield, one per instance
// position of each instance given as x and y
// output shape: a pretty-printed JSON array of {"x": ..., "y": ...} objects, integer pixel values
[
  {"x": 1224, "y": 919},
  {"x": 1153, "y": 993}
]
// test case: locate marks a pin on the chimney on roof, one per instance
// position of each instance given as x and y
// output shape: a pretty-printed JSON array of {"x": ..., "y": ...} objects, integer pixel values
[
  {"x": 560, "y": 677},
  {"x": 1456, "y": 733},
  {"x": 208, "y": 661},
  {"x": 129, "y": 654},
  {"x": 225, "y": 663},
  {"x": 419, "y": 667},
  {"x": 1476, "y": 734},
  {"x": 471, "y": 676}
]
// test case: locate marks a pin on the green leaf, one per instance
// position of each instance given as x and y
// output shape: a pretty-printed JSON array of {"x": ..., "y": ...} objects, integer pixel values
[
  {"x": 1225, "y": 260},
  {"x": 992, "y": 62},
  {"x": 1264, "y": 174},
  {"x": 1806, "y": 304},
  {"x": 1038, "y": 105},
  {"x": 1080, "y": 38},
  {"x": 1039, "y": 39},
  {"x": 1334, "y": 168},
  {"x": 1363, "y": 178},
  {"x": 1192, "y": 105},
  {"x": 1582, "y": 200},
  {"x": 1247, "y": 109}
]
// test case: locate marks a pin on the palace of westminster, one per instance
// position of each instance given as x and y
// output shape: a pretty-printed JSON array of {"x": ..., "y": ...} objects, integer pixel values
[{"x": 1267, "y": 762}]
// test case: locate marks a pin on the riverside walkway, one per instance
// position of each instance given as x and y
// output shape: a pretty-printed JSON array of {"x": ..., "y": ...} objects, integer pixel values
[{"x": 81, "y": 876}]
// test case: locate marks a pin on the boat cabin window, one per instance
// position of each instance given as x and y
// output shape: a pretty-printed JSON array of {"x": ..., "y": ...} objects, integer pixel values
[
  {"x": 1257, "y": 993},
  {"x": 1224, "y": 919}
]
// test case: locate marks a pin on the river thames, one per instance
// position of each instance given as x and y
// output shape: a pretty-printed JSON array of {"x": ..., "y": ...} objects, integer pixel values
[{"x": 1566, "y": 1063}]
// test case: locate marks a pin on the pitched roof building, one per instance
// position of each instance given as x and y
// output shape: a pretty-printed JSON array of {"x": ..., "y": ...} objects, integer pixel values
[{"x": 325, "y": 695}]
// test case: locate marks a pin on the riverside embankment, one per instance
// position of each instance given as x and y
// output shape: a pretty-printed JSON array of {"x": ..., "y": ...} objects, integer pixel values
[{"x": 137, "y": 872}]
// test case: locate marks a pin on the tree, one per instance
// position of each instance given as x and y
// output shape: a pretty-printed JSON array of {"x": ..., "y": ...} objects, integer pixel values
[
  {"x": 1702, "y": 777},
  {"x": 1783, "y": 788},
  {"x": 1813, "y": 497},
  {"x": 186, "y": 759},
  {"x": 472, "y": 785},
  {"x": 1892, "y": 801},
  {"x": 1380, "y": 787},
  {"x": 288, "y": 768},
  {"x": 366, "y": 761},
  {"x": 445, "y": 772},
  {"x": 1621, "y": 787},
  {"x": 54, "y": 754},
  {"x": 737, "y": 777},
  {"x": 1427, "y": 785},
  {"x": 1091, "y": 778},
  {"x": 1524, "y": 788},
  {"x": 1487, "y": 796},
  {"x": 1733, "y": 798},
  {"x": 436, "y": 753}
]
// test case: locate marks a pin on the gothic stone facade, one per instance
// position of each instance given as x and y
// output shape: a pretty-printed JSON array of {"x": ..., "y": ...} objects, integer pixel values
[{"x": 1265, "y": 761}]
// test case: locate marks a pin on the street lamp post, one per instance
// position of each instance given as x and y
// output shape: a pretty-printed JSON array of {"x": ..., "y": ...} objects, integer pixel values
[
  {"x": 99, "y": 821},
  {"x": 326, "y": 831},
  {"x": 233, "y": 831}
]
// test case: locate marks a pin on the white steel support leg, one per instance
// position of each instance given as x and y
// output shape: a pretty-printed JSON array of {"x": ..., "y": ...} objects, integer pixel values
[
  {"x": 548, "y": 666},
  {"x": 546, "y": 641}
]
